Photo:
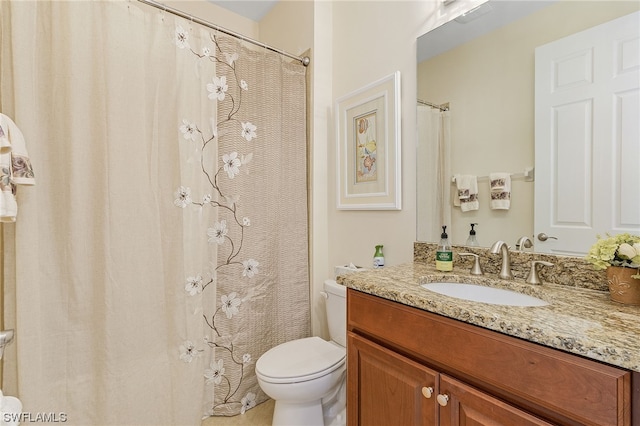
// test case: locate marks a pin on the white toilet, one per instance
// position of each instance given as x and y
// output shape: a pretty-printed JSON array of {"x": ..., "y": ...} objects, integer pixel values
[{"x": 307, "y": 377}]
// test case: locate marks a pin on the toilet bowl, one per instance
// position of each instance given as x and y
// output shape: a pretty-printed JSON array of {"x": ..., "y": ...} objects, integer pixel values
[{"x": 307, "y": 377}]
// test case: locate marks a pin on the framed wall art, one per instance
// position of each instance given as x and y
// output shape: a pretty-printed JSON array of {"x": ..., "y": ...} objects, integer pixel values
[{"x": 368, "y": 147}]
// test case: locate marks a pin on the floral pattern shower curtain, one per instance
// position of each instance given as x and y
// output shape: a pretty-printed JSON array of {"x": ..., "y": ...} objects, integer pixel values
[
  {"x": 164, "y": 248},
  {"x": 256, "y": 195}
]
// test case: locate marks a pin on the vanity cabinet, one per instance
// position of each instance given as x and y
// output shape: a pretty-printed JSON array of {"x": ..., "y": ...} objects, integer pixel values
[
  {"x": 394, "y": 390},
  {"x": 411, "y": 367}
]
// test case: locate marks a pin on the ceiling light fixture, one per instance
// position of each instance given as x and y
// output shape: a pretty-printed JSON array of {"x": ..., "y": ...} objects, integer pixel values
[{"x": 474, "y": 13}]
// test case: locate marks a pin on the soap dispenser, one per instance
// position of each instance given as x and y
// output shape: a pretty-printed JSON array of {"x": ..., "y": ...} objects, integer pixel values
[
  {"x": 472, "y": 240},
  {"x": 444, "y": 254}
]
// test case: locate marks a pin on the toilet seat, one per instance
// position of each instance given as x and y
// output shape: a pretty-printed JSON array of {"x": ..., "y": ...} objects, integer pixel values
[{"x": 300, "y": 360}]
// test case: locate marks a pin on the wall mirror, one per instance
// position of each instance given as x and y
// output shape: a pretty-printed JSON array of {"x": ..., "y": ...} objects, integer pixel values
[{"x": 484, "y": 70}]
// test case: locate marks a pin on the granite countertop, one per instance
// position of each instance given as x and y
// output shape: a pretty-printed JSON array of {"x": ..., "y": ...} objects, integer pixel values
[{"x": 577, "y": 320}]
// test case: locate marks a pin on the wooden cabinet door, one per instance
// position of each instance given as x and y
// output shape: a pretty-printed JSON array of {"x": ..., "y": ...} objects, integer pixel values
[
  {"x": 468, "y": 406},
  {"x": 386, "y": 389}
]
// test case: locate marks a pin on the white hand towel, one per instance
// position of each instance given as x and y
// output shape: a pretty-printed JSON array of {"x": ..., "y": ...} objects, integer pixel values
[
  {"x": 467, "y": 192},
  {"x": 15, "y": 167},
  {"x": 500, "y": 191}
]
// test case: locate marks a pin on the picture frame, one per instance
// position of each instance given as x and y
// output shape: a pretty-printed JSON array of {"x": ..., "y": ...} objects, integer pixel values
[{"x": 368, "y": 172}]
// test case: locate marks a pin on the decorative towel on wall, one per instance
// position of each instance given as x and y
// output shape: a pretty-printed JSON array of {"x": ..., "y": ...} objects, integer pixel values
[
  {"x": 500, "y": 191},
  {"x": 15, "y": 167},
  {"x": 467, "y": 197}
]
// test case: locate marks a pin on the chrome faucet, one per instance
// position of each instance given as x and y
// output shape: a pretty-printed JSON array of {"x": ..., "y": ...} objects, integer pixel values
[
  {"x": 523, "y": 243},
  {"x": 503, "y": 248},
  {"x": 533, "y": 277},
  {"x": 476, "y": 269}
]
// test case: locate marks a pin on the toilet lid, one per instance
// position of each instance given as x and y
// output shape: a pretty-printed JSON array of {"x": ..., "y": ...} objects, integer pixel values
[{"x": 302, "y": 359}]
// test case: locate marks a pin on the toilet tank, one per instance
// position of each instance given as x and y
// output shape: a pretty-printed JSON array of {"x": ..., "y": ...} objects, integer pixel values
[{"x": 336, "y": 307}]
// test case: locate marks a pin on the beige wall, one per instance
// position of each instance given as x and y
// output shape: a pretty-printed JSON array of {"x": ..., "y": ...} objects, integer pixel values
[
  {"x": 493, "y": 130},
  {"x": 372, "y": 40},
  {"x": 354, "y": 43},
  {"x": 350, "y": 48}
]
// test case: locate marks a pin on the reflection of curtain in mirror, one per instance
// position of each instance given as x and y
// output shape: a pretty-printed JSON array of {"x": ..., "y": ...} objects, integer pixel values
[{"x": 433, "y": 172}]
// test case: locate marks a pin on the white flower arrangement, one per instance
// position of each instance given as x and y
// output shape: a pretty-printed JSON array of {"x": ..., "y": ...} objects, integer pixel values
[{"x": 618, "y": 250}]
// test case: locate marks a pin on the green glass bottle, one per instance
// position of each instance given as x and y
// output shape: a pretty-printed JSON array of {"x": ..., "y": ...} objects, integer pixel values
[{"x": 378, "y": 258}]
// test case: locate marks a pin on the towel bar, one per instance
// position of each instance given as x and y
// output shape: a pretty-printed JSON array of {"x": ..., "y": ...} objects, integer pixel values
[{"x": 528, "y": 176}]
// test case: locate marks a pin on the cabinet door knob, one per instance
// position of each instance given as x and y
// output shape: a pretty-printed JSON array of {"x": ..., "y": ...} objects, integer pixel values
[
  {"x": 443, "y": 399},
  {"x": 427, "y": 391}
]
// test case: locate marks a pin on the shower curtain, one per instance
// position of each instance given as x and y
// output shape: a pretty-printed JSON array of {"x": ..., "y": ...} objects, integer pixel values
[
  {"x": 164, "y": 247},
  {"x": 433, "y": 172}
]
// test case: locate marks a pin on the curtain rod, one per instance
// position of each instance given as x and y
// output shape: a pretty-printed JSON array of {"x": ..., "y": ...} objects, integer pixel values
[
  {"x": 443, "y": 107},
  {"x": 304, "y": 60}
]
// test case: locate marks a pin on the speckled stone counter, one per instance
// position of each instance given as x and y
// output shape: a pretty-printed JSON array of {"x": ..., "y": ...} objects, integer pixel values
[
  {"x": 566, "y": 270},
  {"x": 581, "y": 321}
]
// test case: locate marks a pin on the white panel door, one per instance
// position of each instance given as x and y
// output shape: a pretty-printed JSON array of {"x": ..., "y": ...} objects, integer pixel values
[{"x": 587, "y": 136}]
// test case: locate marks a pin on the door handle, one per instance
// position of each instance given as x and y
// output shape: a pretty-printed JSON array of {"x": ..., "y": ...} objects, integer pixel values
[{"x": 544, "y": 237}]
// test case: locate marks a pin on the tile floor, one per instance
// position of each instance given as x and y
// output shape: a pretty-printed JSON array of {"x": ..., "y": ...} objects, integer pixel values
[{"x": 260, "y": 415}]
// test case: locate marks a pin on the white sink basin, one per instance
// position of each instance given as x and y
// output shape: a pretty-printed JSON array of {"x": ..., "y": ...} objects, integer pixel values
[{"x": 480, "y": 293}]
